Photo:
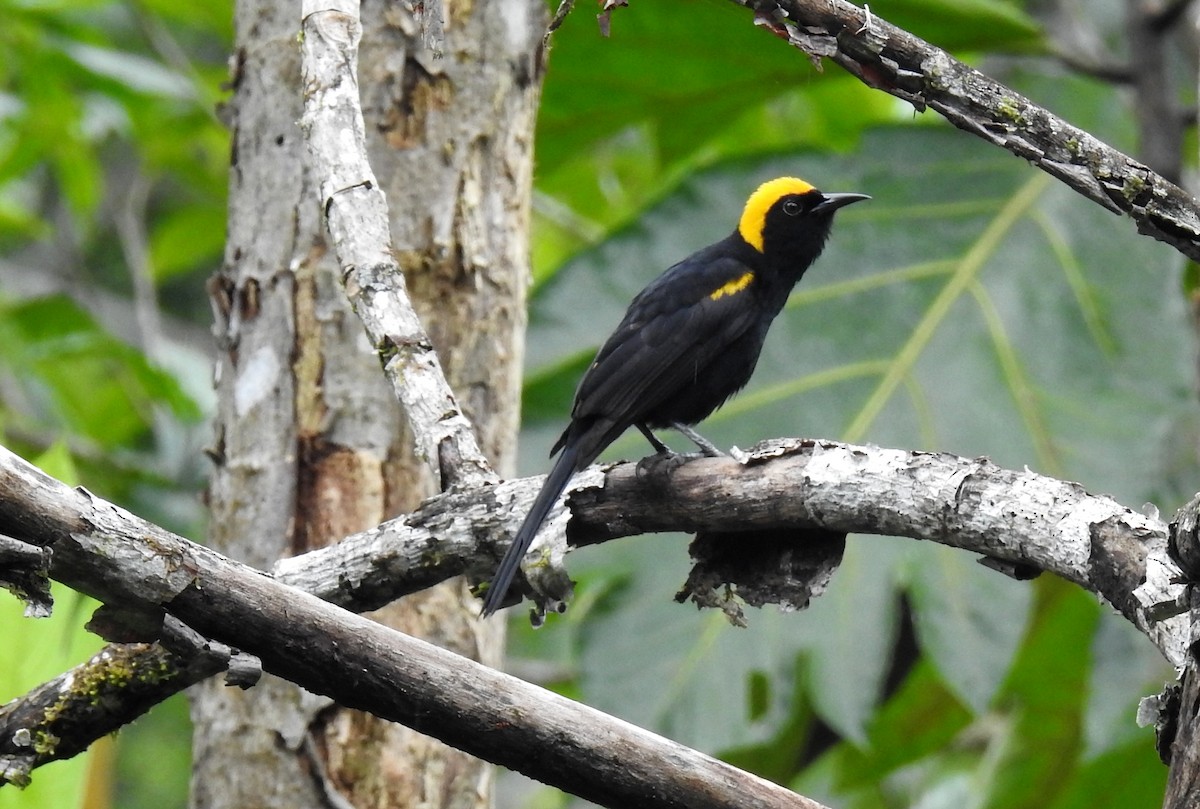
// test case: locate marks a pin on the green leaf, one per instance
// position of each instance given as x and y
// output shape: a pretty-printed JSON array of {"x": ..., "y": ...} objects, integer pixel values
[
  {"x": 964, "y": 24},
  {"x": 1046, "y": 693},
  {"x": 969, "y": 620},
  {"x": 681, "y": 672},
  {"x": 194, "y": 18},
  {"x": 646, "y": 71},
  {"x": 623, "y": 119},
  {"x": 57, "y": 462},
  {"x": 684, "y": 84},
  {"x": 186, "y": 238},
  {"x": 162, "y": 737},
  {"x": 847, "y": 636},
  {"x": 78, "y": 173},
  {"x": 547, "y": 394},
  {"x": 73, "y": 375},
  {"x": 703, "y": 682},
  {"x": 131, "y": 70},
  {"x": 1121, "y": 670},
  {"x": 1125, "y": 776},
  {"x": 921, "y": 719},
  {"x": 19, "y": 221},
  {"x": 48, "y": 647}
]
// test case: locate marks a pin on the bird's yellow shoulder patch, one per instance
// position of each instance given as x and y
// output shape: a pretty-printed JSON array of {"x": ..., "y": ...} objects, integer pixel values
[
  {"x": 754, "y": 217},
  {"x": 733, "y": 287}
]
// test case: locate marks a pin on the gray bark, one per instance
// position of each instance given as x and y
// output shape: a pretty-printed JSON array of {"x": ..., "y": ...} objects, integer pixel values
[
  {"x": 246, "y": 745},
  {"x": 451, "y": 143},
  {"x": 304, "y": 409}
]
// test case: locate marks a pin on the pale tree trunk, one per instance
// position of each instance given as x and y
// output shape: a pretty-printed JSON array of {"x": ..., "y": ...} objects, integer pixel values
[{"x": 310, "y": 444}]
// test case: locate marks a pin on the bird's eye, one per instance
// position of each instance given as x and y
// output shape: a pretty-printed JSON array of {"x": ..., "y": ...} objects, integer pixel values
[{"x": 791, "y": 207}]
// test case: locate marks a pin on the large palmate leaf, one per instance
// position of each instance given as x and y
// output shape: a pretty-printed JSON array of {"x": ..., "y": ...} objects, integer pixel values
[
  {"x": 681, "y": 83},
  {"x": 689, "y": 69}
]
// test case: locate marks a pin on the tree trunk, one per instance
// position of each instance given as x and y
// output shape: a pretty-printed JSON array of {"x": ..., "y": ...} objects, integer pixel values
[{"x": 310, "y": 443}]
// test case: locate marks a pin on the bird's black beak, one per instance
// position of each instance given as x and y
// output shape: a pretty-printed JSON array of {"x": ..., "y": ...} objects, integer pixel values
[{"x": 832, "y": 202}]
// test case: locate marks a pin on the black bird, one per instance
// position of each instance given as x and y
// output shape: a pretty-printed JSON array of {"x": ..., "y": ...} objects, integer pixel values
[{"x": 688, "y": 341}]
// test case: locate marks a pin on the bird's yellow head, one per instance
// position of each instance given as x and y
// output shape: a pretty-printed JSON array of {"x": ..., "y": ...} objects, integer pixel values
[{"x": 754, "y": 217}]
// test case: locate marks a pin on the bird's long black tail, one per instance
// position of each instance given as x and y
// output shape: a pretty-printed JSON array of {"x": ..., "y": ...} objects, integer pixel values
[{"x": 556, "y": 481}]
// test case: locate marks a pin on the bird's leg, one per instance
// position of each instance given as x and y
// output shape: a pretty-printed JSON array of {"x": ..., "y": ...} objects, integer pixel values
[
  {"x": 662, "y": 463},
  {"x": 707, "y": 447},
  {"x": 666, "y": 460},
  {"x": 659, "y": 447}
]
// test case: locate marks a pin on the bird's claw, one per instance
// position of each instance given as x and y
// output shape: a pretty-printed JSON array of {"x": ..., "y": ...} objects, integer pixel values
[{"x": 662, "y": 463}]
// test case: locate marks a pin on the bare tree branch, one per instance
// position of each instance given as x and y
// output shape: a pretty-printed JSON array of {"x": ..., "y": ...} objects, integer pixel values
[
  {"x": 1165, "y": 14},
  {"x": 63, "y": 717},
  {"x": 891, "y": 59},
  {"x": 1111, "y": 72},
  {"x": 971, "y": 504},
  {"x": 1156, "y": 111},
  {"x": 1176, "y": 725},
  {"x": 357, "y": 216},
  {"x": 112, "y": 555}
]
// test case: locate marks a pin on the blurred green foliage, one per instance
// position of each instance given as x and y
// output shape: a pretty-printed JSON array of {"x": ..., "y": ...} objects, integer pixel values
[
  {"x": 107, "y": 114},
  {"x": 972, "y": 307}
]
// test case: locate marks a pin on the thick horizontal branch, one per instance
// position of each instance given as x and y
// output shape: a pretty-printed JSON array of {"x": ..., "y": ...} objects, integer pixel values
[
  {"x": 890, "y": 59},
  {"x": 108, "y": 553},
  {"x": 1017, "y": 516},
  {"x": 968, "y": 503}
]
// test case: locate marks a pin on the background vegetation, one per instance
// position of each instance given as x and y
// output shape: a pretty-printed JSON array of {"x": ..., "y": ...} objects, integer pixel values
[{"x": 973, "y": 307}]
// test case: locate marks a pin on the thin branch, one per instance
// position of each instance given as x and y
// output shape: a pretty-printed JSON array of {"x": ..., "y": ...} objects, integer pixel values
[
  {"x": 1111, "y": 72},
  {"x": 61, "y": 718},
  {"x": 890, "y": 59},
  {"x": 357, "y": 217},
  {"x": 1167, "y": 14},
  {"x": 1160, "y": 126},
  {"x": 130, "y": 222}
]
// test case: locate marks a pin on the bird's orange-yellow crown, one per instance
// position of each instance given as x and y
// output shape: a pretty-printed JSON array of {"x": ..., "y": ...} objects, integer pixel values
[{"x": 754, "y": 217}]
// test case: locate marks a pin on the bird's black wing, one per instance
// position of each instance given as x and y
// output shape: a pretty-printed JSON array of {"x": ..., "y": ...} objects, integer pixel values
[{"x": 672, "y": 330}]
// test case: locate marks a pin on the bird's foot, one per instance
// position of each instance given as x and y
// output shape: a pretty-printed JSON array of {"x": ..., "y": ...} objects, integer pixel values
[{"x": 661, "y": 464}]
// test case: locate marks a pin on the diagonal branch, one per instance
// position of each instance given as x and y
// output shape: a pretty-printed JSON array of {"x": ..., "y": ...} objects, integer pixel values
[
  {"x": 890, "y": 59},
  {"x": 63, "y": 717},
  {"x": 112, "y": 555},
  {"x": 357, "y": 217}
]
